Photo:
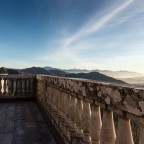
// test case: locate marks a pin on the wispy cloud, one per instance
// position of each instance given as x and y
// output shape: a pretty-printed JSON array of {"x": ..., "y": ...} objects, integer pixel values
[
  {"x": 73, "y": 51},
  {"x": 95, "y": 25},
  {"x": 129, "y": 15}
]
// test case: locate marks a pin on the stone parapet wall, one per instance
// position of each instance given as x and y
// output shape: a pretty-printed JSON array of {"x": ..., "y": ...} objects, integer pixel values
[{"x": 82, "y": 110}]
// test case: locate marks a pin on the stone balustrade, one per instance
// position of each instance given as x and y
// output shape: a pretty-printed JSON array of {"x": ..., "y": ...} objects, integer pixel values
[
  {"x": 17, "y": 85},
  {"x": 83, "y": 112}
]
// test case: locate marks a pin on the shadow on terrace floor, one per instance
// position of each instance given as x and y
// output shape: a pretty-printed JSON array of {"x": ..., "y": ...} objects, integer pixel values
[{"x": 22, "y": 123}]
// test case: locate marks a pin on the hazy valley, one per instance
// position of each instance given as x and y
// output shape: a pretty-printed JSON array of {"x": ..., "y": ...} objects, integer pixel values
[{"x": 99, "y": 75}]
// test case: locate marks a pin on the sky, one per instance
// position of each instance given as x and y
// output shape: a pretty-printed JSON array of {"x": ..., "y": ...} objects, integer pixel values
[{"x": 84, "y": 34}]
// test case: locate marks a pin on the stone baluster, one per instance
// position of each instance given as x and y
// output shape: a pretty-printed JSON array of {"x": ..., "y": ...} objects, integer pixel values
[
  {"x": 52, "y": 101},
  {"x": 48, "y": 96},
  {"x": 55, "y": 99},
  {"x": 141, "y": 136},
  {"x": 52, "y": 106},
  {"x": 9, "y": 82},
  {"x": 96, "y": 124},
  {"x": 44, "y": 95},
  {"x": 0, "y": 86},
  {"x": 124, "y": 133},
  {"x": 16, "y": 91},
  {"x": 68, "y": 119},
  {"x": 78, "y": 120},
  {"x": 56, "y": 105},
  {"x": 61, "y": 113},
  {"x": 39, "y": 96},
  {"x": 108, "y": 135},
  {"x": 73, "y": 128},
  {"x": 32, "y": 87},
  {"x": 56, "y": 94},
  {"x": 72, "y": 106},
  {"x": 14, "y": 87},
  {"x": 40, "y": 89},
  {"x": 86, "y": 119},
  {"x": 27, "y": 87},
  {"x": 68, "y": 109},
  {"x": 23, "y": 87},
  {"x": 60, "y": 107},
  {"x": 37, "y": 89},
  {"x": 19, "y": 88},
  {"x": 5, "y": 87},
  {"x": 64, "y": 103}
]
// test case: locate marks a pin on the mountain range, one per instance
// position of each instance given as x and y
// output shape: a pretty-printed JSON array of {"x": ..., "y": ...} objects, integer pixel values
[
  {"x": 115, "y": 74},
  {"x": 58, "y": 72},
  {"x": 4, "y": 70},
  {"x": 126, "y": 76},
  {"x": 94, "y": 76},
  {"x": 100, "y": 75}
]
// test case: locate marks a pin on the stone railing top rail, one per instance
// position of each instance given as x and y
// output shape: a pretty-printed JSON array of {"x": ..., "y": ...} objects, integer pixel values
[
  {"x": 17, "y": 76},
  {"x": 125, "y": 100}
]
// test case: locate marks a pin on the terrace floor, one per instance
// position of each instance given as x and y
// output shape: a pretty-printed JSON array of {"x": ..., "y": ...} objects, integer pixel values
[{"x": 23, "y": 123}]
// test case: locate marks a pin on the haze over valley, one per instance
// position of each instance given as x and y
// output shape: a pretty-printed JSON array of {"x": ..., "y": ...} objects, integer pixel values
[{"x": 99, "y": 75}]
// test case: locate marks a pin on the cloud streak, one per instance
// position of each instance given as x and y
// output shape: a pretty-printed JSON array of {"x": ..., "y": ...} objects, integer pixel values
[
  {"x": 100, "y": 53},
  {"x": 94, "y": 26}
]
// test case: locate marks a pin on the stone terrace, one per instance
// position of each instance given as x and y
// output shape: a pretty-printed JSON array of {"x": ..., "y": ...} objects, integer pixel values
[
  {"x": 75, "y": 111},
  {"x": 22, "y": 123}
]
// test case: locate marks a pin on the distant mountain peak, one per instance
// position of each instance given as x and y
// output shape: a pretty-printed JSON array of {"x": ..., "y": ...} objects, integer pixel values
[
  {"x": 4, "y": 70},
  {"x": 95, "y": 76}
]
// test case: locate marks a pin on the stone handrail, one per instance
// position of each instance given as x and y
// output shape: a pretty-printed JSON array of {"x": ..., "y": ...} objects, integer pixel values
[
  {"x": 82, "y": 111},
  {"x": 17, "y": 85}
]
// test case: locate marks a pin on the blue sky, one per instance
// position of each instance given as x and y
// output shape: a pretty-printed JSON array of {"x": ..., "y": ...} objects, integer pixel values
[{"x": 86, "y": 34}]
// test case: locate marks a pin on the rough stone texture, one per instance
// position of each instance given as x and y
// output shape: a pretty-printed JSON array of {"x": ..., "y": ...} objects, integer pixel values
[
  {"x": 123, "y": 97},
  {"x": 124, "y": 100},
  {"x": 22, "y": 123}
]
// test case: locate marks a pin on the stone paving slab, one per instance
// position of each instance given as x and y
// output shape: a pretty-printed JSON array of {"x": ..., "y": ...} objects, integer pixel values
[{"x": 22, "y": 123}]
